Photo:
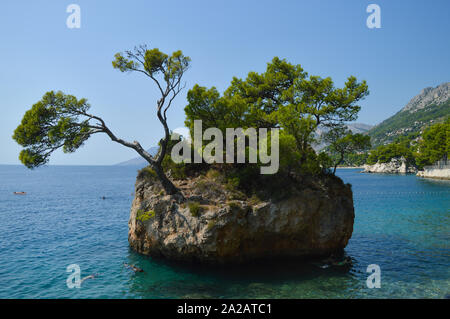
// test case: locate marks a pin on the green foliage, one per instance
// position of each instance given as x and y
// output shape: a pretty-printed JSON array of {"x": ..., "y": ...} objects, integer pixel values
[
  {"x": 352, "y": 159},
  {"x": 166, "y": 72},
  {"x": 435, "y": 144},
  {"x": 207, "y": 185},
  {"x": 291, "y": 157},
  {"x": 143, "y": 216},
  {"x": 324, "y": 161},
  {"x": 61, "y": 121},
  {"x": 180, "y": 170},
  {"x": 343, "y": 142},
  {"x": 254, "y": 200},
  {"x": 408, "y": 122},
  {"x": 195, "y": 208},
  {"x": 177, "y": 170},
  {"x": 281, "y": 97},
  {"x": 52, "y": 123},
  {"x": 152, "y": 62},
  {"x": 385, "y": 153},
  {"x": 147, "y": 173},
  {"x": 213, "y": 174},
  {"x": 211, "y": 224}
]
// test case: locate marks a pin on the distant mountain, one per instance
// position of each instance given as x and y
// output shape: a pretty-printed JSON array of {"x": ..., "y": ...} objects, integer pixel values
[
  {"x": 139, "y": 161},
  {"x": 359, "y": 127},
  {"x": 354, "y": 127},
  {"x": 431, "y": 105}
]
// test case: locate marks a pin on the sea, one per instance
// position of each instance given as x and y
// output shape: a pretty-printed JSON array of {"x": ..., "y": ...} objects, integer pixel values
[{"x": 77, "y": 216}]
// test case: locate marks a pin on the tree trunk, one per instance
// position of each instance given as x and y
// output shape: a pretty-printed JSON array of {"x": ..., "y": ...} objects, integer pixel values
[
  {"x": 336, "y": 165},
  {"x": 167, "y": 184}
]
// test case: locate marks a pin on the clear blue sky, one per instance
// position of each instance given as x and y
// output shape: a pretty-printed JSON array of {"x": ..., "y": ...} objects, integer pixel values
[{"x": 223, "y": 38}]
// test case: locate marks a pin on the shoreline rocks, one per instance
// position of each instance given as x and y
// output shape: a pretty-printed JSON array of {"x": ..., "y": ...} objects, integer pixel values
[
  {"x": 211, "y": 226},
  {"x": 435, "y": 173},
  {"x": 395, "y": 166}
]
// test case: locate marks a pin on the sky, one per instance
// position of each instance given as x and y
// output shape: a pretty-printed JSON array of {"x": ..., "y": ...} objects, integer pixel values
[{"x": 229, "y": 38}]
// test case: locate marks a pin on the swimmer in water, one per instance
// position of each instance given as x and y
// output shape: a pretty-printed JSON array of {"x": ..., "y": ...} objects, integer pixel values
[
  {"x": 134, "y": 268},
  {"x": 19, "y": 193},
  {"x": 88, "y": 277},
  {"x": 334, "y": 260}
]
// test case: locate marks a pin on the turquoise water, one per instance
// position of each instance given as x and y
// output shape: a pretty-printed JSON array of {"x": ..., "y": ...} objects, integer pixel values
[{"x": 402, "y": 224}]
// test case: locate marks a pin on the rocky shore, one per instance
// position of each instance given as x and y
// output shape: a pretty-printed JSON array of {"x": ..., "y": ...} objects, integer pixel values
[
  {"x": 395, "y": 166},
  {"x": 435, "y": 173},
  {"x": 213, "y": 224}
]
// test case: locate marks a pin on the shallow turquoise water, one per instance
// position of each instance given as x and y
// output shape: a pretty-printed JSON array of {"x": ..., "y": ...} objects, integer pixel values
[{"x": 402, "y": 224}]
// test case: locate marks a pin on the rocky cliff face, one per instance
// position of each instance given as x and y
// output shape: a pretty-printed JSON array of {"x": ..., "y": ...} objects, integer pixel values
[
  {"x": 210, "y": 225},
  {"x": 395, "y": 166},
  {"x": 427, "y": 96}
]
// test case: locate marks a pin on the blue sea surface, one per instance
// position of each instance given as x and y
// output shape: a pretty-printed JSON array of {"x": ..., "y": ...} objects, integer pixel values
[{"x": 402, "y": 224}]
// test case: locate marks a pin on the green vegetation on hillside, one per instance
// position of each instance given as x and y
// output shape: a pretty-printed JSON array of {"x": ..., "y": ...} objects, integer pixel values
[
  {"x": 432, "y": 146},
  {"x": 385, "y": 153},
  {"x": 435, "y": 144},
  {"x": 405, "y": 122}
]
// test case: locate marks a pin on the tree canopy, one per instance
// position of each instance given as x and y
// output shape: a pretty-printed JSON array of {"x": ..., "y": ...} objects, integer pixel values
[
  {"x": 284, "y": 97},
  {"x": 343, "y": 142},
  {"x": 435, "y": 144},
  {"x": 61, "y": 121},
  {"x": 385, "y": 153},
  {"x": 56, "y": 121}
]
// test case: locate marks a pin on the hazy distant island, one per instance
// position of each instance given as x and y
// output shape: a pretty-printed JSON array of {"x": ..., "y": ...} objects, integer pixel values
[{"x": 139, "y": 161}]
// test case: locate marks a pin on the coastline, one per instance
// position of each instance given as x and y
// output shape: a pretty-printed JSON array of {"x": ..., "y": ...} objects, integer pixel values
[
  {"x": 441, "y": 178},
  {"x": 435, "y": 173}
]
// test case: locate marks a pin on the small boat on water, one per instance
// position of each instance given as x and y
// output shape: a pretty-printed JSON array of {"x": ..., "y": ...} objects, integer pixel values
[{"x": 20, "y": 193}]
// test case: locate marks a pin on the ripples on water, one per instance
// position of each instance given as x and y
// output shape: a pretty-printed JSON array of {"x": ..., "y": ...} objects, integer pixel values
[{"x": 402, "y": 224}]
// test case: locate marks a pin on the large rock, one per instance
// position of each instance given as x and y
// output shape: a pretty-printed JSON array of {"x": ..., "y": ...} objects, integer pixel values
[
  {"x": 438, "y": 95},
  {"x": 395, "y": 166},
  {"x": 313, "y": 220}
]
